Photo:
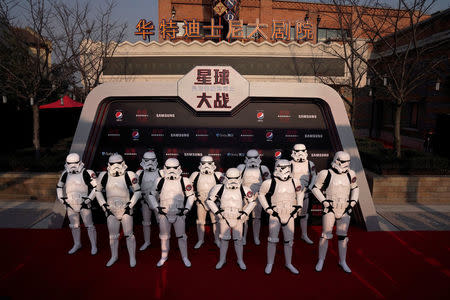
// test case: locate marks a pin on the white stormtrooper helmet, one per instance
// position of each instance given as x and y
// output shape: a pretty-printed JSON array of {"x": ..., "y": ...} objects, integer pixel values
[
  {"x": 73, "y": 163},
  {"x": 116, "y": 165},
  {"x": 252, "y": 159},
  {"x": 232, "y": 179},
  {"x": 207, "y": 165},
  {"x": 172, "y": 169},
  {"x": 149, "y": 161},
  {"x": 282, "y": 169},
  {"x": 299, "y": 153},
  {"x": 341, "y": 162}
]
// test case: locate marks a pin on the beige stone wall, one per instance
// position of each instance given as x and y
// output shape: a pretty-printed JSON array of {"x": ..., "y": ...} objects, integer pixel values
[
  {"x": 24, "y": 186},
  {"x": 396, "y": 189}
]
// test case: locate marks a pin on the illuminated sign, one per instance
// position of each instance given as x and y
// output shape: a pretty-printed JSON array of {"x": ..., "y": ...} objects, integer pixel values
[
  {"x": 213, "y": 88},
  {"x": 282, "y": 30}
]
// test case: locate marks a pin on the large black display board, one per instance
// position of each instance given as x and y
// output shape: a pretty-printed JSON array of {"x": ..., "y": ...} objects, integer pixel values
[{"x": 132, "y": 126}]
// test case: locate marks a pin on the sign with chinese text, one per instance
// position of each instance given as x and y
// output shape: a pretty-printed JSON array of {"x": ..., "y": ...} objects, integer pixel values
[{"x": 213, "y": 88}]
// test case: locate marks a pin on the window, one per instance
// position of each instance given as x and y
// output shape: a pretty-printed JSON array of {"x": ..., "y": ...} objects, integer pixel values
[{"x": 324, "y": 34}]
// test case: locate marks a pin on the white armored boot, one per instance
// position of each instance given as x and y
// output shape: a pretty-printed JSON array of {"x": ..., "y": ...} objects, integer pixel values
[
  {"x": 165, "y": 246},
  {"x": 244, "y": 235},
  {"x": 323, "y": 247},
  {"x": 271, "y": 250},
  {"x": 256, "y": 230},
  {"x": 182, "y": 244},
  {"x": 92, "y": 233},
  {"x": 342, "y": 245},
  {"x": 146, "y": 230},
  {"x": 76, "y": 240},
  {"x": 223, "y": 254},
  {"x": 201, "y": 235},
  {"x": 239, "y": 248},
  {"x": 288, "y": 258},
  {"x": 216, "y": 230},
  {"x": 114, "y": 244},
  {"x": 304, "y": 228},
  {"x": 131, "y": 246}
]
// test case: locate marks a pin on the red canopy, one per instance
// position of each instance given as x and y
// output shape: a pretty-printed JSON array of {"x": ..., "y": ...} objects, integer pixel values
[{"x": 65, "y": 102}]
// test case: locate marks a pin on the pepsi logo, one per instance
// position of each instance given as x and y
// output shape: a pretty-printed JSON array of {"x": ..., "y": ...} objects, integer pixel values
[
  {"x": 135, "y": 134},
  {"x": 119, "y": 115},
  {"x": 278, "y": 154},
  {"x": 269, "y": 135},
  {"x": 260, "y": 115}
]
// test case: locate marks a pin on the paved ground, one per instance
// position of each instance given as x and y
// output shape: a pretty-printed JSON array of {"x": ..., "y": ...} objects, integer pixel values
[{"x": 14, "y": 214}]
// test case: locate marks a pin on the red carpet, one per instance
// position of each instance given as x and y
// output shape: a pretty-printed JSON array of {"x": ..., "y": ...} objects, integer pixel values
[{"x": 402, "y": 265}]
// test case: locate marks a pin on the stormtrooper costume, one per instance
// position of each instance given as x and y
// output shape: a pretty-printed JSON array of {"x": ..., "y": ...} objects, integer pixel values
[
  {"x": 118, "y": 206},
  {"x": 253, "y": 174},
  {"x": 340, "y": 196},
  {"x": 203, "y": 181},
  {"x": 176, "y": 197},
  {"x": 76, "y": 190},
  {"x": 305, "y": 171},
  {"x": 281, "y": 197},
  {"x": 227, "y": 202},
  {"x": 147, "y": 178}
]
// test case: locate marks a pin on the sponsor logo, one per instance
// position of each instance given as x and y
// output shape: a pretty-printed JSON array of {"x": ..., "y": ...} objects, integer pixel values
[
  {"x": 131, "y": 153},
  {"x": 164, "y": 115},
  {"x": 291, "y": 135},
  {"x": 193, "y": 154},
  {"x": 260, "y": 115},
  {"x": 224, "y": 135},
  {"x": 214, "y": 152},
  {"x": 105, "y": 153},
  {"x": 179, "y": 135},
  {"x": 278, "y": 154},
  {"x": 118, "y": 114},
  {"x": 249, "y": 194},
  {"x": 284, "y": 115},
  {"x": 142, "y": 115},
  {"x": 269, "y": 135},
  {"x": 188, "y": 187},
  {"x": 135, "y": 135},
  {"x": 313, "y": 136},
  {"x": 202, "y": 135},
  {"x": 320, "y": 154},
  {"x": 134, "y": 181},
  {"x": 247, "y": 135},
  {"x": 231, "y": 154},
  {"x": 113, "y": 133},
  {"x": 307, "y": 116},
  {"x": 171, "y": 152}
]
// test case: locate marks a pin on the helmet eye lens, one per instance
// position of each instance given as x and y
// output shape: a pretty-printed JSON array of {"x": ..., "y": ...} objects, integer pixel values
[
  {"x": 149, "y": 159},
  {"x": 233, "y": 177},
  {"x": 116, "y": 163},
  {"x": 283, "y": 167},
  {"x": 206, "y": 163},
  {"x": 73, "y": 163},
  {"x": 170, "y": 168}
]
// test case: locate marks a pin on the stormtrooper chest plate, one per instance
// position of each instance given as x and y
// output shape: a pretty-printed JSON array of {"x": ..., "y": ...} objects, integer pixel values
[
  {"x": 117, "y": 192},
  {"x": 300, "y": 170},
  {"x": 172, "y": 196},
  {"x": 338, "y": 190},
  {"x": 231, "y": 203},
  {"x": 204, "y": 184},
  {"x": 252, "y": 179},
  {"x": 148, "y": 181},
  {"x": 284, "y": 197},
  {"x": 75, "y": 188}
]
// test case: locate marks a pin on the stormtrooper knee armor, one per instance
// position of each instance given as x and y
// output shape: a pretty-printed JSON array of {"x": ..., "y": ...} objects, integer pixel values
[
  {"x": 305, "y": 171},
  {"x": 253, "y": 174},
  {"x": 227, "y": 202},
  {"x": 172, "y": 208},
  {"x": 337, "y": 190},
  {"x": 282, "y": 198},
  {"x": 76, "y": 190},
  {"x": 115, "y": 185},
  {"x": 147, "y": 179},
  {"x": 203, "y": 181}
]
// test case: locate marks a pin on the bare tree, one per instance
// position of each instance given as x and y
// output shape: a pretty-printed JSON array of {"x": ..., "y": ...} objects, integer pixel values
[
  {"x": 45, "y": 57},
  {"x": 353, "y": 45},
  {"x": 401, "y": 59}
]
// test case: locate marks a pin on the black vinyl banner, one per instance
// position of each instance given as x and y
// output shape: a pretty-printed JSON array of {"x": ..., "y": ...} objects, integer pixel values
[{"x": 167, "y": 126}]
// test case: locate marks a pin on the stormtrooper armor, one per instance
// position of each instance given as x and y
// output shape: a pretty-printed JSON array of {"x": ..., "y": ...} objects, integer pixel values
[
  {"x": 118, "y": 206},
  {"x": 147, "y": 179},
  {"x": 176, "y": 196},
  {"x": 76, "y": 190},
  {"x": 203, "y": 181},
  {"x": 281, "y": 197},
  {"x": 253, "y": 174},
  {"x": 305, "y": 171},
  {"x": 337, "y": 190},
  {"x": 227, "y": 202}
]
